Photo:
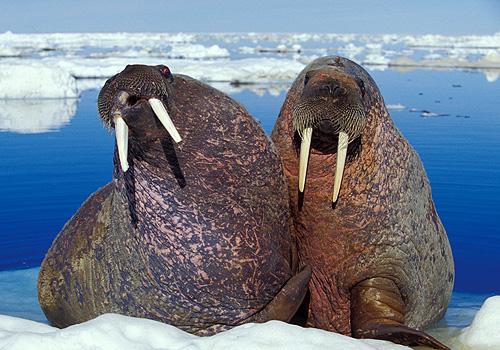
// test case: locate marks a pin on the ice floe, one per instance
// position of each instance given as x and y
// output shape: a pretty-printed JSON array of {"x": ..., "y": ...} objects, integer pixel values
[
  {"x": 395, "y": 107},
  {"x": 35, "y": 80},
  {"x": 45, "y": 65},
  {"x": 197, "y": 51},
  {"x": 21, "y": 83}
]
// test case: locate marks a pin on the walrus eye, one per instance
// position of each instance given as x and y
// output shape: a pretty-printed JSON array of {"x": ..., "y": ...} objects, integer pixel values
[
  {"x": 306, "y": 80},
  {"x": 165, "y": 71}
]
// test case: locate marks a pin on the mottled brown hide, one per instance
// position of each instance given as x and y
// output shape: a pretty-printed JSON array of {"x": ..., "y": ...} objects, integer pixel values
[
  {"x": 194, "y": 234},
  {"x": 384, "y": 224}
]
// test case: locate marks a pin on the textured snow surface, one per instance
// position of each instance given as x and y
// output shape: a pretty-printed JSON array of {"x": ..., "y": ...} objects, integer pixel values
[
  {"x": 35, "y": 80},
  {"x": 112, "y": 331},
  {"x": 19, "y": 300},
  {"x": 484, "y": 332}
]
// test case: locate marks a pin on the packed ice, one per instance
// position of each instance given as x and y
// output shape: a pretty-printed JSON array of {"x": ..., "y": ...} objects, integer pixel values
[
  {"x": 35, "y": 80},
  {"x": 47, "y": 65}
]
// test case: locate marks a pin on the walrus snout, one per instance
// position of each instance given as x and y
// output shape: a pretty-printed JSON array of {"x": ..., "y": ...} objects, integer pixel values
[
  {"x": 127, "y": 98},
  {"x": 331, "y": 101}
]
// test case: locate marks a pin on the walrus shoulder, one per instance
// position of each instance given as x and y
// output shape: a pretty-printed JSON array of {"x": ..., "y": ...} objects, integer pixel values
[{"x": 72, "y": 252}]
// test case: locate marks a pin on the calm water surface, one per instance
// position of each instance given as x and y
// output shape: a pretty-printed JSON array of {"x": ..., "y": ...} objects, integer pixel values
[{"x": 452, "y": 118}]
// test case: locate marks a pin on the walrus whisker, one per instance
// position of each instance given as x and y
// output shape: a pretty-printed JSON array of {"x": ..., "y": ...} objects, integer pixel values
[
  {"x": 121, "y": 133},
  {"x": 305, "y": 146},
  {"x": 339, "y": 168},
  {"x": 162, "y": 114}
]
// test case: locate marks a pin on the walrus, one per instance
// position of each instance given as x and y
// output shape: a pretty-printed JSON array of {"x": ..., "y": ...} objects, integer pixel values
[
  {"x": 193, "y": 230},
  {"x": 364, "y": 219}
]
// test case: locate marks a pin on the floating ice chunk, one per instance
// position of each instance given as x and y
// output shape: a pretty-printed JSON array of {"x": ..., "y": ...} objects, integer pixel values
[
  {"x": 376, "y": 61},
  {"x": 432, "y": 56},
  {"x": 196, "y": 51},
  {"x": 491, "y": 74},
  {"x": 36, "y": 116},
  {"x": 484, "y": 332},
  {"x": 112, "y": 331},
  {"x": 396, "y": 107},
  {"x": 351, "y": 51},
  {"x": 35, "y": 80},
  {"x": 247, "y": 49}
]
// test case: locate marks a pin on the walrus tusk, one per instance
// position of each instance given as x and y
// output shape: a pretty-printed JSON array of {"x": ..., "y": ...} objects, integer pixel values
[
  {"x": 339, "y": 170},
  {"x": 121, "y": 133},
  {"x": 305, "y": 146},
  {"x": 164, "y": 118}
]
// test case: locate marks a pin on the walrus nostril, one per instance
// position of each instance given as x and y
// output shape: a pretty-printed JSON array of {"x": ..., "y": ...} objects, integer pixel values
[
  {"x": 132, "y": 100},
  {"x": 339, "y": 91},
  {"x": 327, "y": 88}
]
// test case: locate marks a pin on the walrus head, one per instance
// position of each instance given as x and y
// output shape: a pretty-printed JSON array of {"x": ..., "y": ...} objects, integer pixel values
[
  {"x": 332, "y": 104},
  {"x": 137, "y": 99}
]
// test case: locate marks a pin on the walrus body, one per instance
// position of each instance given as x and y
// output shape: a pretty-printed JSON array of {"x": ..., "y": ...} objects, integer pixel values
[
  {"x": 381, "y": 261},
  {"x": 194, "y": 234}
]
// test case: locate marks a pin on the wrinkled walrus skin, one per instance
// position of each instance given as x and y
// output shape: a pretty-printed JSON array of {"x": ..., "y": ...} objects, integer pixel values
[
  {"x": 380, "y": 257},
  {"x": 194, "y": 234}
]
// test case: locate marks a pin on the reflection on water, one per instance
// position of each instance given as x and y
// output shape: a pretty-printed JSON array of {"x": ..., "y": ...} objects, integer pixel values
[
  {"x": 45, "y": 177},
  {"x": 36, "y": 116}
]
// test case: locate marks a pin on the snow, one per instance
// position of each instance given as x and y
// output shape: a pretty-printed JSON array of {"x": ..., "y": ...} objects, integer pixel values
[
  {"x": 19, "y": 310},
  {"x": 113, "y": 331},
  {"x": 35, "y": 80},
  {"x": 484, "y": 332}
]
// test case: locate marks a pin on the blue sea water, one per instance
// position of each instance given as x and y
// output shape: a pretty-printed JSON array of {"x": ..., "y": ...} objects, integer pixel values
[{"x": 452, "y": 118}]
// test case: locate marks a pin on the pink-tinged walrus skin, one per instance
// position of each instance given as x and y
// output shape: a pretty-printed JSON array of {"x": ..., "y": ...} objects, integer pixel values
[
  {"x": 192, "y": 232},
  {"x": 381, "y": 261}
]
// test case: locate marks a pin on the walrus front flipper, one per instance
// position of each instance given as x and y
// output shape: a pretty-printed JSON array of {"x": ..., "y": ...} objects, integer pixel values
[
  {"x": 286, "y": 303},
  {"x": 377, "y": 311}
]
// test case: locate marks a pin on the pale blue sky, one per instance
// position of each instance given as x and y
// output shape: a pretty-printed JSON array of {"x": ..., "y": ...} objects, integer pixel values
[{"x": 348, "y": 16}]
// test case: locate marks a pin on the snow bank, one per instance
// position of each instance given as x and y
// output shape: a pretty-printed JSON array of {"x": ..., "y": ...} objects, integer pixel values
[
  {"x": 484, "y": 332},
  {"x": 36, "y": 116},
  {"x": 19, "y": 298},
  {"x": 35, "y": 80},
  {"x": 112, "y": 331}
]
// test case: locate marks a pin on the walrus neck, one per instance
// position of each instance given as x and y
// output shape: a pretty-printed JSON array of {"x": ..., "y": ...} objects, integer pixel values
[{"x": 154, "y": 174}]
